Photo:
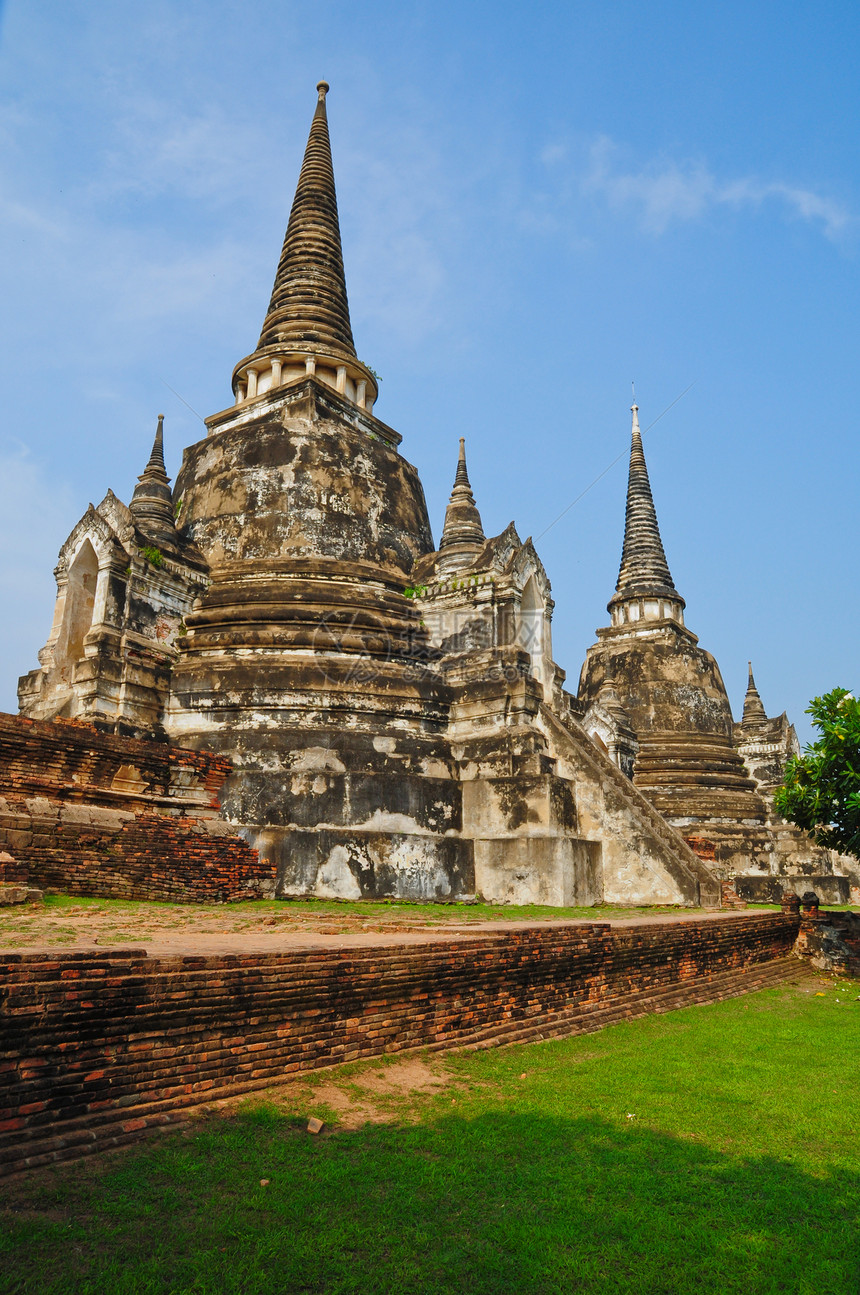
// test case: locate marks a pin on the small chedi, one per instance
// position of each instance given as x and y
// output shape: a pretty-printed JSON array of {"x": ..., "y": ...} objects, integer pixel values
[
  {"x": 393, "y": 718},
  {"x": 712, "y": 779}
]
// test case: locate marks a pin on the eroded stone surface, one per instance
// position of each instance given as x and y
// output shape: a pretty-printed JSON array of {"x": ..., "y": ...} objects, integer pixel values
[
  {"x": 392, "y": 713},
  {"x": 712, "y": 779}
]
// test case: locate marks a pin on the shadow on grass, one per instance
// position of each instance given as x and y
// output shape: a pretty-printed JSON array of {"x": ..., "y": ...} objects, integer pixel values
[{"x": 498, "y": 1203}]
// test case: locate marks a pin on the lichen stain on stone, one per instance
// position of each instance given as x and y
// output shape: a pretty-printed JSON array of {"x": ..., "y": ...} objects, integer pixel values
[
  {"x": 385, "y": 744},
  {"x": 335, "y": 879}
]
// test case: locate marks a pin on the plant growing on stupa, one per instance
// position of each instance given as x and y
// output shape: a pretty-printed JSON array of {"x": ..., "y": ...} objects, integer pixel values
[{"x": 821, "y": 788}]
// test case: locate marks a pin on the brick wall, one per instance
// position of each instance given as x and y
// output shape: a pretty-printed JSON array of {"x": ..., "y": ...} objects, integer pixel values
[
  {"x": 98, "y": 1047},
  {"x": 92, "y": 813}
]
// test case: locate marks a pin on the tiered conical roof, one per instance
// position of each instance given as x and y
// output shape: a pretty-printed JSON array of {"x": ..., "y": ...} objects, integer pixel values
[
  {"x": 309, "y": 307},
  {"x": 644, "y": 569},
  {"x": 152, "y": 502},
  {"x": 462, "y": 519},
  {"x": 754, "y": 710},
  {"x": 307, "y": 330}
]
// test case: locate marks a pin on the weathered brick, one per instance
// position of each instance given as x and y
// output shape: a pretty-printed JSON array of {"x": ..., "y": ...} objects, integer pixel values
[
  {"x": 68, "y": 829},
  {"x": 209, "y": 1025}
]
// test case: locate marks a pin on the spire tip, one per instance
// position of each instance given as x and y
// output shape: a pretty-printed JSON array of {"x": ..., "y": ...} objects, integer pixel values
[
  {"x": 308, "y": 311},
  {"x": 462, "y": 519},
  {"x": 753, "y": 706},
  {"x": 643, "y": 559}
]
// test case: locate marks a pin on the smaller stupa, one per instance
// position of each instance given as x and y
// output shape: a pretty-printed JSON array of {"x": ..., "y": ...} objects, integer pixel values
[{"x": 673, "y": 696}]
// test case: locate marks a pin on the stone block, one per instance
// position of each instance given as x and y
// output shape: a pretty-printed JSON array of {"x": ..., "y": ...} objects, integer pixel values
[
  {"x": 554, "y": 870},
  {"x": 768, "y": 890},
  {"x": 14, "y": 895},
  {"x": 352, "y": 864},
  {"x": 501, "y": 806}
]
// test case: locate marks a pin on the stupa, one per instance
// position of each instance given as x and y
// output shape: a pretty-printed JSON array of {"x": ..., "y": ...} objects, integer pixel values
[{"x": 395, "y": 720}]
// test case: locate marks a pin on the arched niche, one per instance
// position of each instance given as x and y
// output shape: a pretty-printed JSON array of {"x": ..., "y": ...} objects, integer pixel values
[{"x": 79, "y": 603}]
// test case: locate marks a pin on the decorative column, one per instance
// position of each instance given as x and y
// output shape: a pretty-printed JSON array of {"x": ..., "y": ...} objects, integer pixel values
[
  {"x": 276, "y": 372},
  {"x": 252, "y": 383}
]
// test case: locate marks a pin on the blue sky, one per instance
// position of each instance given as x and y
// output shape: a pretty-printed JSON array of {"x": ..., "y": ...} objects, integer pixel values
[{"x": 538, "y": 204}]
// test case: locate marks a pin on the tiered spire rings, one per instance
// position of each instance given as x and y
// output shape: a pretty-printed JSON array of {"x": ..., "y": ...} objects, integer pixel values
[
  {"x": 645, "y": 590},
  {"x": 152, "y": 503},
  {"x": 307, "y": 330}
]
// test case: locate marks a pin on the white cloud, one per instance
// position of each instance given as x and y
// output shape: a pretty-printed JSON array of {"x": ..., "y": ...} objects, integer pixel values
[
  {"x": 156, "y": 148},
  {"x": 397, "y": 268},
  {"x": 665, "y": 192},
  {"x": 552, "y": 153},
  {"x": 21, "y": 215},
  {"x": 141, "y": 281}
]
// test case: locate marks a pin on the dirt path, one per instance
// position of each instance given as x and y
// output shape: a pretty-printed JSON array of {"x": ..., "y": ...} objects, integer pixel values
[{"x": 173, "y": 930}]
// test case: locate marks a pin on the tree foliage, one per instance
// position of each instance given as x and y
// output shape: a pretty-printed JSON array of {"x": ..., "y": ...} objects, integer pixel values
[{"x": 821, "y": 788}]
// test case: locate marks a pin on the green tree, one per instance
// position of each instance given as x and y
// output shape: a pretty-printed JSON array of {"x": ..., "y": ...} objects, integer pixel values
[{"x": 821, "y": 788}]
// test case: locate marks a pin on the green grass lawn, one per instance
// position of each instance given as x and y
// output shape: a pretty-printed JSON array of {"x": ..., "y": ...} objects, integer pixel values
[
  {"x": 67, "y": 919},
  {"x": 365, "y": 909},
  {"x": 711, "y": 1150}
]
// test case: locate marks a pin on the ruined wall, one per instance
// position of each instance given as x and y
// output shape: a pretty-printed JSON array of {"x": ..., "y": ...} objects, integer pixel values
[
  {"x": 663, "y": 679},
  {"x": 831, "y": 941},
  {"x": 91, "y": 813},
  {"x": 101, "y": 1046},
  {"x": 765, "y": 746},
  {"x": 121, "y": 602}
]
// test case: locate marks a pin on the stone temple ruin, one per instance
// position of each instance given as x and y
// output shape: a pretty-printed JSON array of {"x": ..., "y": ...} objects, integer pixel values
[{"x": 391, "y": 711}]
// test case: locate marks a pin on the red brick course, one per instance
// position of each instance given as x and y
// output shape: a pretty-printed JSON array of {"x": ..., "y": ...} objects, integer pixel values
[
  {"x": 90, "y": 813},
  {"x": 99, "y": 1047}
]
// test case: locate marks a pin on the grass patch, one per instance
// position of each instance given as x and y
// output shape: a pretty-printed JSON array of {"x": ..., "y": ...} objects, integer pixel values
[
  {"x": 711, "y": 1150},
  {"x": 68, "y": 919},
  {"x": 366, "y": 909}
]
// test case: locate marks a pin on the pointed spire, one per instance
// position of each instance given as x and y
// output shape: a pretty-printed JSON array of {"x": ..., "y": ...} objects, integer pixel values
[
  {"x": 462, "y": 519},
  {"x": 462, "y": 476},
  {"x": 644, "y": 569},
  {"x": 152, "y": 503},
  {"x": 156, "y": 459},
  {"x": 753, "y": 707},
  {"x": 309, "y": 307},
  {"x": 306, "y": 332}
]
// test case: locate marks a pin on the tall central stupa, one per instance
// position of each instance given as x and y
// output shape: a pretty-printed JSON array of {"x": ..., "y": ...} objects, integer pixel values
[{"x": 304, "y": 661}]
